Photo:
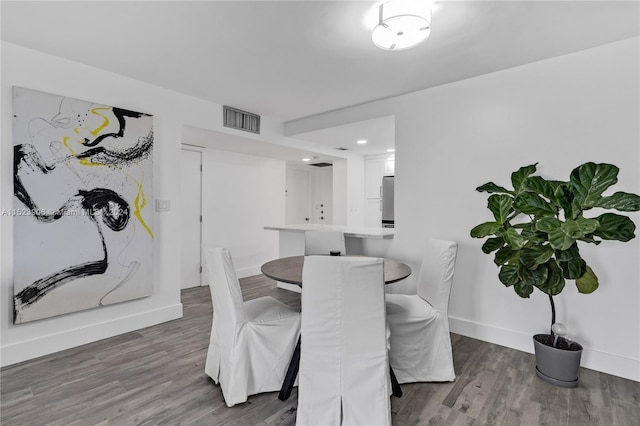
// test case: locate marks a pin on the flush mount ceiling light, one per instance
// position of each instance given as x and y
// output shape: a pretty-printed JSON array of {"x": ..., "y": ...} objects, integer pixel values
[{"x": 402, "y": 24}]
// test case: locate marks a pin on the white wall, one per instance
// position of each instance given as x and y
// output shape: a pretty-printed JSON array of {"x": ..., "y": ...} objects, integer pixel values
[
  {"x": 340, "y": 191},
  {"x": 449, "y": 140},
  {"x": 242, "y": 194},
  {"x": 559, "y": 112},
  {"x": 171, "y": 110},
  {"x": 355, "y": 191}
]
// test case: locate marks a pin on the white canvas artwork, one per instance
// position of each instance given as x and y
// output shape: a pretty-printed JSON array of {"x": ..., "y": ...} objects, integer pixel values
[{"x": 82, "y": 216}]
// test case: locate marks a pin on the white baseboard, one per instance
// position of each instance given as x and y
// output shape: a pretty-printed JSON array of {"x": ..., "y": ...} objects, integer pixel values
[
  {"x": 55, "y": 342},
  {"x": 613, "y": 364},
  {"x": 248, "y": 272}
]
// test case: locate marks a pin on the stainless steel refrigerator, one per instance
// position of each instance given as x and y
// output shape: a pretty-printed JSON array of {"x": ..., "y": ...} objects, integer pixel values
[{"x": 388, "y": 220}]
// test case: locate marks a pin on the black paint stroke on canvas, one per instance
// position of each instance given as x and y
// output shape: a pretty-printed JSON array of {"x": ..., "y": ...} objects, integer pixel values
[
  {"x": 120, "y": 115},
  {"x": 112, "y": 157},
  {"x": 103, "y": 206},
  {"x": 99, "y": 203}
]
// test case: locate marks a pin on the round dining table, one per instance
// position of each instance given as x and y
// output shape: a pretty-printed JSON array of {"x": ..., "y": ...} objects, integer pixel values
[{"x": 289, "y": 270}]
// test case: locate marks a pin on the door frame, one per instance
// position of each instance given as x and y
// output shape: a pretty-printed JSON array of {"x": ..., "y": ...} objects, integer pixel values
[{"x": 196, "y": 149}]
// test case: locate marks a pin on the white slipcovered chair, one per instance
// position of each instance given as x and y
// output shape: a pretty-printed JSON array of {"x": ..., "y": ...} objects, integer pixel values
[
  {"x": 323, "y": 242},
  {"x": 344, "y": 364},
  {"x": 420, "y": 342},
  {"x": 251, "y": 342}
]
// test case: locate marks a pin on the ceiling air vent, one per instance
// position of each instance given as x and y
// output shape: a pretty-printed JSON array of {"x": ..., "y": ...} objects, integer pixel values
[
  {"x": 321, "y": 164},
  {"x": 241, "y": 120},
  {"x": 340, "y": 148}
]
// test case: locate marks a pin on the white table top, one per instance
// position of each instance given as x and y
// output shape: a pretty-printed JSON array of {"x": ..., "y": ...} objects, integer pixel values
[{"x": 349, "y": 231}]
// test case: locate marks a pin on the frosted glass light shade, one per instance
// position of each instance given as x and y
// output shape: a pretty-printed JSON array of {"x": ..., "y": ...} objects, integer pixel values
[{"x": 402, "y": 24}]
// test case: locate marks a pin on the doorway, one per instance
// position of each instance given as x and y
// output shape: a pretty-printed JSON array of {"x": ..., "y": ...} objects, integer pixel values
[
  {"x": 191, "y": 218},
  {"x": 298, "y": 203},
  {"x": 309, "y": 195}
]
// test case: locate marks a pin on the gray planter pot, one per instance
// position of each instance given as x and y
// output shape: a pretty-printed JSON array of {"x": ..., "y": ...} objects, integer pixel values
[{"x": 558, "y": 367}]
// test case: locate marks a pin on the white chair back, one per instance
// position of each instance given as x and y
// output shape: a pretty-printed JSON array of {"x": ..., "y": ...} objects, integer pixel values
[
  {"x": 436, "y": 273},
  {"x": 226, "y": 296},
  {"x": 251, "y": 342},
  {"x": 323, "y": 242},
  {"x": 344, "y": 364}
]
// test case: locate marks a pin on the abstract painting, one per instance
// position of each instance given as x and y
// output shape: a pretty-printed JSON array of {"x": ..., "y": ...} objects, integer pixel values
[{"x": 82, "y": 216}]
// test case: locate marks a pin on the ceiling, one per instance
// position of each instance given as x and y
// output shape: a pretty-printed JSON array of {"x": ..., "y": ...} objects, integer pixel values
[{"x": 293, "y": 59}]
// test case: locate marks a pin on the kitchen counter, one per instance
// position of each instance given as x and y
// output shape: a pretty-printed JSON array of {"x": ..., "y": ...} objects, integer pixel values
[{"x": 349, "y": 231}]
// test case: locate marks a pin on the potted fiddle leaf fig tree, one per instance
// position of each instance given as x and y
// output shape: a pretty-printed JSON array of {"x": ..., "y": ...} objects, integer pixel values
[{"x": 535, "y": 236}]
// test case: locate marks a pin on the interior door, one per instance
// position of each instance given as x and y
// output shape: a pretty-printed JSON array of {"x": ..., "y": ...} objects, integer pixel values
[{"x": 191, "y": 217}]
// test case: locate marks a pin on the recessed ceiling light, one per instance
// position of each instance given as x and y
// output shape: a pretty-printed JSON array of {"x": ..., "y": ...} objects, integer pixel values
[
  {"x": 391, "y": 150},
  {"x": 362, "y": 142},
  {"x": 306, "y": 159}
]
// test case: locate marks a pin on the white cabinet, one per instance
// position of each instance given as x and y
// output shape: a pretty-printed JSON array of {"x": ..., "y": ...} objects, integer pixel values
[
  {"x": 390, "y": 165},
  {"x": 373, "y": 172},
  {"x": 375, "y": 168}
]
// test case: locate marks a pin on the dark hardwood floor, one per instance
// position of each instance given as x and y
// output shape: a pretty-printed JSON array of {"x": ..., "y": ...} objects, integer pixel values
[{"x": 155, "y": 376}]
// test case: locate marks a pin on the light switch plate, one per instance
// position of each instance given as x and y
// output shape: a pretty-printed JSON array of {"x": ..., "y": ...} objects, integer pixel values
[{"x": 163, "y": 205}]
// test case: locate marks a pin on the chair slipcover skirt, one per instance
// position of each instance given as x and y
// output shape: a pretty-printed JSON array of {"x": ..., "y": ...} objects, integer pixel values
[
  {"x": 344, "y": 364},
  {"x": 420, "y": 342},
  {"x": 251, "y": 342}
]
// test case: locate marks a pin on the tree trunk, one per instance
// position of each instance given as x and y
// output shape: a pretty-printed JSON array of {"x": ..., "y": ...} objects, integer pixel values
[{"x": 553, "y": 318}]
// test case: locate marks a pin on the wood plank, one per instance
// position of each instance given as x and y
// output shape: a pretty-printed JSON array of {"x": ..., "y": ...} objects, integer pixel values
[{"x": 155, "y": 376}]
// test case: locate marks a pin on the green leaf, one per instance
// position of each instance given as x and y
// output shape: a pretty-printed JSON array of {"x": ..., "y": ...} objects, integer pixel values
[
  {"x": 534, "y": 277},
  {"x": 541, "y": 186},
  {"x": 555, "y": 281},
  {"x": 563, "y": 235},
  {"x": 491, "y": 187},
  {"x": 566, "y": 255},
  {"x": 548, "y": 224},
  {"x": 535, "y": 237},
  {"x": 500, "y": 206},
  {"x": 590, "y": 239},
  {"x": 572, "y": 265},
  {"x": 587, "y": 283},
  {"x": 590, "y": 180},
  {"x": 492, "y": 244},
  {"x": 580, "y": 227},
  {"x": 504, "y": 255},
  {"x": 536, "y": 255},
  {"x": 519, "y": 176},
  {"x": 573, "y": 269},
  {"x": 615, "y": 227},
  {"x": 508, "y": 274},
  {"x": 484, "y": 229},
  {"x": 513, "y": 239},
  {"x": 559, "y": 240},
  {"x": 533, "y": 204},
  {"x": 621, "y": 201},
  {"x": 565, "y": 199},
  {"x": 524, "y": 226},
  {"x": 523, "y": 289}
]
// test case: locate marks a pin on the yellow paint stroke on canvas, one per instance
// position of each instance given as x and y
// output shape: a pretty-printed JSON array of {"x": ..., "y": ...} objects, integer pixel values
[
  {"x": 140, "y": 201},
  {"x": 105, "y": 121},
  {"x": 93, "y": 132}
]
